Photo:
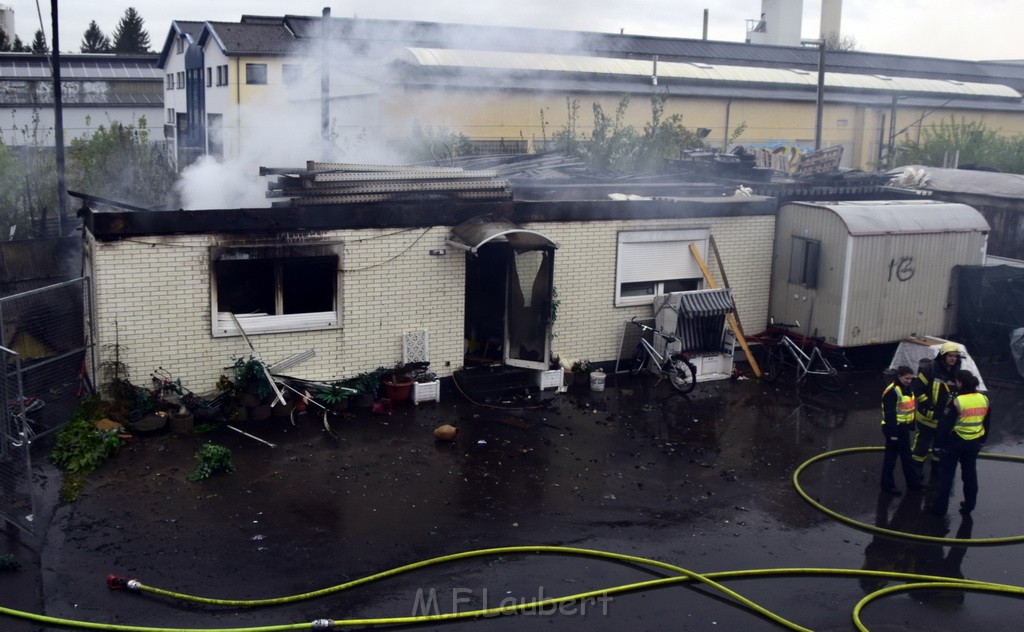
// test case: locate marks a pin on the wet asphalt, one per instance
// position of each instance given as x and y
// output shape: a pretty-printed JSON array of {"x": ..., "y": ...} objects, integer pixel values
[{"x": 703, "y": 482}]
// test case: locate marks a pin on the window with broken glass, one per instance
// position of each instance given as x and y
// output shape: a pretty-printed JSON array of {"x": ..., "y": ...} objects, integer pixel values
[
  {"x": 653, "y": 262},
  {"x": 274, "y": 289}
]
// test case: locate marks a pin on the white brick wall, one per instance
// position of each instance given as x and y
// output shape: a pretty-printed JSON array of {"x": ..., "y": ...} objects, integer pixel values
[
  {"x": 590, "y": 326},
  {"x": 157, "y": 291}
]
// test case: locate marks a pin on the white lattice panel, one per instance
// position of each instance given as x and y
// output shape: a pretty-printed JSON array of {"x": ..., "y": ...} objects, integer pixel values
[{"x": 415, "y": 347}]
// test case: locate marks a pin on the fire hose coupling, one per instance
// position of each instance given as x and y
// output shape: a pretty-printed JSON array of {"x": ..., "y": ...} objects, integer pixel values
[
  {"x": 116, "y": 583},
  {"x": 322, "y": 624}
]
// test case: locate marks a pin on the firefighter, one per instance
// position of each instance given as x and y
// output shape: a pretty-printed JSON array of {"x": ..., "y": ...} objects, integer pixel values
[
  {"x": 935, "y": 389},
  {"x": 898, "y": 406},
  {"x": 958, "y": 439}
]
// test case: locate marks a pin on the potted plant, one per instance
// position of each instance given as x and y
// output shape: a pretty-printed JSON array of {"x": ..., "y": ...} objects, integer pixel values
[
  {"x": 397, "y": 383},
  {"x": 426, "y": 387},
  {"x": 581, "y": 369},
  {"x": 365, "y": 385},
  {"x": 335, "y": 397}
]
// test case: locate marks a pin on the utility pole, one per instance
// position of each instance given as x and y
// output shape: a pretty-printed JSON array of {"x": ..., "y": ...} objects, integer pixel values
[
  {"x": 58, "y": 125},
  {"x": 819, "y": 112}
]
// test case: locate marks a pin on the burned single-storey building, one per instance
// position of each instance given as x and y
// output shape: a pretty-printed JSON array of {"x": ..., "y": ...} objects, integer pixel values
[{"x": 348, "y": 280}]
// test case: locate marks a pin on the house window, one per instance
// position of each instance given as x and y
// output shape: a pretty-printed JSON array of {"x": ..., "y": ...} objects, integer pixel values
[
  {"x": 803, "y": 262},
  {"x": 222, "y": 75},
  {"x": 169, "y": 81},
  {"x": 291, "y": 74},
  {"x": 181, "y": 45},
  {"x": 256, "y": 74},
  {"x": 657, "y": 262},
  {"x": 209, "y": 76},
  {"x": 170, "y": 115},
  {"x": 181, "y": 80},
  {"x": 275, "y": 288}
]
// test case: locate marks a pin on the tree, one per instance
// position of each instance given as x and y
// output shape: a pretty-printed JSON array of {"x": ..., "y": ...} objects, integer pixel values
[
  {"x": 19, "y": 47},
  {"x": 965, "y": 142},
  {"x": 5, "y": 42},
  {"x": 10, "y": 187},
  {"x": 129, "y": 36},
  {"x": 835, "y": 41},
  {"x": 94, "y": 41},
  {"x": 39, "y": 43},
  {"x": 120, "y": 163}
]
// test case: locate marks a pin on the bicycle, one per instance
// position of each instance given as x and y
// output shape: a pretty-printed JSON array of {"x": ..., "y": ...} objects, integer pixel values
[
  {"x": 826, "y": 368},
  {"x": 681, "y": 373},
  {"x": 17, "y": 415}
]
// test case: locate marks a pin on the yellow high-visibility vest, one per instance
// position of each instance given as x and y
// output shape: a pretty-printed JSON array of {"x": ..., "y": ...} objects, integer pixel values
[
  {"x": 905, "y": 405},
  {"x": 972, "y": 407}
]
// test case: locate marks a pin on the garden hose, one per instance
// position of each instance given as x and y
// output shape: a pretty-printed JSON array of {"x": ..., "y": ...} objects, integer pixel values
[
  {"x": 711, "y": 580},
  {"x": 890, "y": 532}
]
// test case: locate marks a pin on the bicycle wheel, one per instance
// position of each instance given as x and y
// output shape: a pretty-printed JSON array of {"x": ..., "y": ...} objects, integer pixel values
[
  {"x": 771, "y": 365},
  {"x": 636, "y": 365},
  {"x": 680, "y": 373},
  {"x": 826, "y": 375}
]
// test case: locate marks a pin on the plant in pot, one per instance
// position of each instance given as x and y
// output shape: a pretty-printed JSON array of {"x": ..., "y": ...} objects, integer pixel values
[
  {"x": 581, "y": 369},
  {"x": 397, "y": 383},
  {"x": 365, "y": 385},
  {"x": 335, "y": 397}
]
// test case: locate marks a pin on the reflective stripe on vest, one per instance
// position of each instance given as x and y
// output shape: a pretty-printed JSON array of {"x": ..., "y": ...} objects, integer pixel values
[
  {"x": 928, "y": 418},
  {"x": 905, "y": 405},
  {"x": 973, "y": 407}
]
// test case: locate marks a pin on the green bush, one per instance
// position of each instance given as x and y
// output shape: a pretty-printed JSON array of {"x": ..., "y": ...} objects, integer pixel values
[
  {"x": 212, "y": 458},
  {"x": 79, "y": 447}
]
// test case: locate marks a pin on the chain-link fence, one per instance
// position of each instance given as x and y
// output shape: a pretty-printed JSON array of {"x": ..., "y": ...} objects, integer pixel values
[{"x": 45, "y": 348}]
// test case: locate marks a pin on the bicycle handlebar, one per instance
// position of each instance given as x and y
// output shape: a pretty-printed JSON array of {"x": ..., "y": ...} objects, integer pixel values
[
  {"x": 794, "y": 325},
  {"x": 667, "y": 337}
]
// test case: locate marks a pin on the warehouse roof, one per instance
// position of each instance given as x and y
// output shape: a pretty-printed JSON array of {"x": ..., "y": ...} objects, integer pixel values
[{"x": 692, "y": 72}]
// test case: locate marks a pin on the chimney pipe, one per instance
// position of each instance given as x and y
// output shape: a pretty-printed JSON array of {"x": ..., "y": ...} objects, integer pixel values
[{"x": 705, "y": 25}]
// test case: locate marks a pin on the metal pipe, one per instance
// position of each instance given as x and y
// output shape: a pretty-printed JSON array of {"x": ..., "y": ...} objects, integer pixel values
[{"x": 705, "y": 37}]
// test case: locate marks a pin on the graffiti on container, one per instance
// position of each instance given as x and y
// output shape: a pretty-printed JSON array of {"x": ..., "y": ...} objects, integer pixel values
[
  {"x": 902, "y": 269},
  {"x": 778, "y": 155}
]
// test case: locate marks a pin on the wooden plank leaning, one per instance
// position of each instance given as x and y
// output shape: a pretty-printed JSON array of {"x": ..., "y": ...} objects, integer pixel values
[{"x": 729, "y": 318}]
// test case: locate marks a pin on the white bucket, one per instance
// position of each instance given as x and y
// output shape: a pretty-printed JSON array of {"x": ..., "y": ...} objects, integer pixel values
[{"x": 597, "y": 381}]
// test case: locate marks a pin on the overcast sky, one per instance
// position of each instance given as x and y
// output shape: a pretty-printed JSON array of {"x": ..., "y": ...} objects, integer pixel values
[{"x": 955, "y": 29}]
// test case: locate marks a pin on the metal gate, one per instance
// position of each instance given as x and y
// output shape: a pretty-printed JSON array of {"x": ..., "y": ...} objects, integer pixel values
[{"x": 44, "y": 346}]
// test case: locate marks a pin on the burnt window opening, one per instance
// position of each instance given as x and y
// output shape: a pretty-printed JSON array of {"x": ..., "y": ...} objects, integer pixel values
[
  {"x": 803, "y": 262},
  {"x": 269, "y": 289}
]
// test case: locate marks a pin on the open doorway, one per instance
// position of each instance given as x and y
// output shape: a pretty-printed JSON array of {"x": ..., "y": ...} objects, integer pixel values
[{"x": 508, "y": 306}]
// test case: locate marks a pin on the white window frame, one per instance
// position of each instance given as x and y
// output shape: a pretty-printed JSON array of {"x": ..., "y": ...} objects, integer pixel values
[
  {"x": 656, "y": 256},
  {"x": 170, "y": 116},
  {"x": 223, "y": 326}
]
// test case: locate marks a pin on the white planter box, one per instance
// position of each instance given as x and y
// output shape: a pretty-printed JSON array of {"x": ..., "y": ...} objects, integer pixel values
[
  {"x": 549, "y": 379},
  {"x": 426, "y": 391}
]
